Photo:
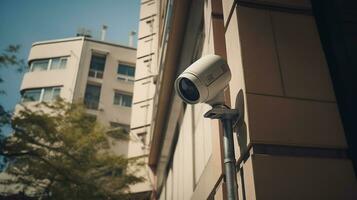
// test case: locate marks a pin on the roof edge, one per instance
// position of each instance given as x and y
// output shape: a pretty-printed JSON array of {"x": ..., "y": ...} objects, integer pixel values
[{"x": 80, "y": 38}]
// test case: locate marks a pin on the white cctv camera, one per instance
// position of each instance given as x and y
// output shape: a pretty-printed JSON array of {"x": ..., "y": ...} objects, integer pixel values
[{"x": 204, "y": 81}]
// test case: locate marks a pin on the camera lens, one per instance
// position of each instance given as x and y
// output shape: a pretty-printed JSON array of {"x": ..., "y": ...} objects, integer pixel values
[{"x": 188, "y": 90}]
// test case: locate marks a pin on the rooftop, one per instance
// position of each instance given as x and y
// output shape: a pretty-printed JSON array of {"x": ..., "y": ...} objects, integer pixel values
[{"x": 80, "y": 38}]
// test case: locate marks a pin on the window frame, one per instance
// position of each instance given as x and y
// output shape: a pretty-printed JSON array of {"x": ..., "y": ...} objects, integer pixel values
[
  {"x": 42, "y": 93},
  {"x": 34, "y": 61},
  {"x": 125, "y": 77},
  {"x": 31, "y": 91},
  {"x": 52, "y": 93},
  {"x": 121, "y": 102},
  {"x": 89, "y": 106},
  {"x": 59, "y": 63},
  {"x": 49, "y": 63},
  {"x": 94, "y": 73}
]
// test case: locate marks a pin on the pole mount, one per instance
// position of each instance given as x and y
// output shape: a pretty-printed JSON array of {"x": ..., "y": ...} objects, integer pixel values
[
  {"x": 223, "y": 112},
  {"x": 228, "y": 117}
]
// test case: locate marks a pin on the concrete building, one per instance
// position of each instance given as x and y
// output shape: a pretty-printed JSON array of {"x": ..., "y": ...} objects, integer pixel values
[
  {"x": 82, "y": 69},
  {"x": 291, "y": 64},
  {"x": 98, "y": 73}
]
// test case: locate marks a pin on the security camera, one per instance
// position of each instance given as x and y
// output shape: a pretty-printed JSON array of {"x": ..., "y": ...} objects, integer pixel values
[{"x": 204, "y": 81}]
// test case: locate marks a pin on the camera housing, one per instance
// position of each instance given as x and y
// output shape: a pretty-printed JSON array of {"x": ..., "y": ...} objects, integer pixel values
[{"x": 204, "y": 81}]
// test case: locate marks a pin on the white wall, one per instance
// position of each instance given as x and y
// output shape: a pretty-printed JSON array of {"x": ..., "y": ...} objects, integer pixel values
[
  {"x": 107, "y": 111},
  {"x": 61, "y": 77}
]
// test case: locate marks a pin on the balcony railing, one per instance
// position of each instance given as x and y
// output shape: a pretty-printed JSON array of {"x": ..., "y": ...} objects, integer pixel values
[
  {"x": 95, "y": 73},
  {"x": 125, "y": 78}
]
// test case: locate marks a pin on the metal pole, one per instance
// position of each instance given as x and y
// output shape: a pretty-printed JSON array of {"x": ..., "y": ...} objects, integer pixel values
[
  {"x": 229, "y": 160},
  {"x": 227, "y": 116}
]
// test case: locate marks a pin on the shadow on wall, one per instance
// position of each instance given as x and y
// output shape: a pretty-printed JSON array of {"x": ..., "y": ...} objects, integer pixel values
[
  {"x": 241, "y": 132},
  {"x": 241, "y": 126}
]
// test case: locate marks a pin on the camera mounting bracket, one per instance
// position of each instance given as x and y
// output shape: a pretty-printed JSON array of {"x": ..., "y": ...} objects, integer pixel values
[{"x": 224, "y": 112}]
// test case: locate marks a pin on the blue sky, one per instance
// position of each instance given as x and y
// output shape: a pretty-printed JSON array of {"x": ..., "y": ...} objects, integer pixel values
[{"x": 26, "y": 21}]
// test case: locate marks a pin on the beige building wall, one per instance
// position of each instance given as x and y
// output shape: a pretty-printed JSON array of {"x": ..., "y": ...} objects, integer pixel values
[
  {"x": 144, "y": 90},
  {"x": 293, "y": 133},
  {"x": 191, "y": 142},
  {"x": 70, "y": 48},
  {"x": 146, "y": 65},
  {"x": 115, "y": 54},
  {"x": 292, "y": 143},
  {"x": 194, "y": 169}
]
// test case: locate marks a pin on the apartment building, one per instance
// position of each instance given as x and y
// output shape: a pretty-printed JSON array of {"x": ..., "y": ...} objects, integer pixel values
[
  {"x": 99, "y": 74},
  {"x": 291, "y": 64},
  {"x": 82, "y": 69}
]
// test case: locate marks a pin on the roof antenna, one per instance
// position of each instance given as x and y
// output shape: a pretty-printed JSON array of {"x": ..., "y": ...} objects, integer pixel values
[{"x": 83, "y": 32}]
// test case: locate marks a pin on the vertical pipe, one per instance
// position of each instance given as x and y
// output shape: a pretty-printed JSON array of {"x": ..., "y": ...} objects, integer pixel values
[
  {"x": 104, "y": 32},
  {"x": 131, "y": 38},
  {"x": 229, "y": 160}
]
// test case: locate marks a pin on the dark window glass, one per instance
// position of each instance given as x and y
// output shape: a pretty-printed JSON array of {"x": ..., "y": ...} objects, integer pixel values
[
  {"x": 31, "y": 95},
  {"x": 91, "y": 73},
  {"x": 122, "y": 99},
  {"x": 48, "y": 64},
  {"x": 92, "y": 96},
  {"x": 41, "y": 94},
  {"x": 97, "y": 62},
  {"x": 126, "y": 70}
]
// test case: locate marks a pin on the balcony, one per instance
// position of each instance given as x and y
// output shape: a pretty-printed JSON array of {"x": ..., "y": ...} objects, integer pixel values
[
  {"x": 40, "y": 79},
  {"x": 95, "y": 73},
  {"x": 125, "y": 78}
]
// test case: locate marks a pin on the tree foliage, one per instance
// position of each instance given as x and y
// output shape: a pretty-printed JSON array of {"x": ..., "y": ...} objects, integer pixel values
[
  {"x": 8, "y": 58},
  {"x": 58, "y": 151}
]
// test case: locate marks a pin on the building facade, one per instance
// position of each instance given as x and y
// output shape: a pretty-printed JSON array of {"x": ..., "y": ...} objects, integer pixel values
[
  {"x": 97, "y": 73},
  {"x": 82, "y": 69},
  {"x": 291, "y": 81}
]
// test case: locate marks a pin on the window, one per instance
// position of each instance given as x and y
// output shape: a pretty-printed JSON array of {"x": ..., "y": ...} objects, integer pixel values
[
  {"x": 58, "y": 63},
  {"x": 50, "y": 94},
  {"x": 122, "y": 99},
  {"x": 115, "y": 172},
  {"x": 92, "y": 96},
  {"x": 142, "y": 137},
  {"x": 119, "y": 125},
  {"x": 97, "y": 64},
  {"x": 126, "y": 72},
  {"x": 31, "y": 95},
  {"x": 41, "y": 94},
  {"x": 48, "y": 64},
  {"x": 39, "y": 65}
]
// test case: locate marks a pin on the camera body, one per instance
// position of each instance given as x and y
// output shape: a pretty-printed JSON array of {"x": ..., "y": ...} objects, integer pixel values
[{"x": 204, "y": 81}]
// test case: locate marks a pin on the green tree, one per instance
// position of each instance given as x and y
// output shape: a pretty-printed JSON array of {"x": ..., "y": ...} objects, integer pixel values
[
  {"x": 8, "y": 59},
  {"x": 58, "y": 151}
]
